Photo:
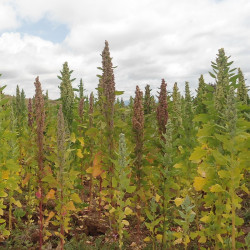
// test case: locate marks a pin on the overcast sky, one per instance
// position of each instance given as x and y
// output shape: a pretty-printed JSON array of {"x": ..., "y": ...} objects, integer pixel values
[{"x": 149, "y": 40}]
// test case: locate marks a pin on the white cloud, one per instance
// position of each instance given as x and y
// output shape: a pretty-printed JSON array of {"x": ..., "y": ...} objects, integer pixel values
[
  {"x": 149, "y": 40},
  {"x": 8, "y": 17}
]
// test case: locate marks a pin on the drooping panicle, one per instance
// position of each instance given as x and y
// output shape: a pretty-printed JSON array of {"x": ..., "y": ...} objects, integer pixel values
[{"x": 162, "y": 109}]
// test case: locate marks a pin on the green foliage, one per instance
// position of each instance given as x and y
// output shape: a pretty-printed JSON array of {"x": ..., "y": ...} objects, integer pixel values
[{"x": 69, "y": 175}]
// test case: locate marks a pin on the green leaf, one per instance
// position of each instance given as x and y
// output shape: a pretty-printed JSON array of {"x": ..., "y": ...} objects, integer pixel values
[
  {"x": 75, "y": 197},
  {"x": 197, "y": 155},
  {"x": 119, "y": 92},
  {"x": 149, "y": 215},
  {"x": 201, "y": 118},
  {"x": 219, "y": 158},
  {"x": 212, "y": 75},
  {"x": 224, "y": 174},
  {"x": 234, "y": 78},
  {"x": 238, "y": 221},
  {"x": 131, "y": 189},
  {"x": 3, "y": 194},
  {"x": 92, "y": 132},
  {"x": 114, "y": 182}
]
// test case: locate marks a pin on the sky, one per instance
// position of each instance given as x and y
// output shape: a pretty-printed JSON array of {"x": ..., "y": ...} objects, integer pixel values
[{"x": 149, "y": 40}]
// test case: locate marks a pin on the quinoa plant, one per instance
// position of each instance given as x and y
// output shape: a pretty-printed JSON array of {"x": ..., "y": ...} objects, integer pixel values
[
  {"x": 201, "y": 96},
  {"x": 121, "y": 184},
  {"x": 138, "y": 128},
  {"x": 61, "y": 161},
  {"x": 108, "y": 85},
  {"x": 67, "y": 94},
  {"x": 162, "y": 109},
  {"x": 30, "y": 114},
  {"x": 147, "y": 100},
  {"x": 40, "y": 124},
  {"x": 242, "y": 89},
  {"x": 176, "y": 115}
]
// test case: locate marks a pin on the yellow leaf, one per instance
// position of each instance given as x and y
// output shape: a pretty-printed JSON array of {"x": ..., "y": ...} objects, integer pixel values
[
  {"x": 147, "y": 239},
  {"x": 220, "y": 238},
  {"x": 178, "y": 201},
  {"x": 216, "y": 188},
  {"x": 223, "y": 174},
  {"x": 48, "y": 233},
  {"x": 59, "y": 235},
  {"x": 18, "y": 204},
  {"x": 51, "y": 194},
  {"x": 70, "y": 206},
  {"x": 5, "y": 174},
  {"x": 199, "y": 182},
  {"x": 51, "y": 214},
  {"x": 75, "y": 197},
  {"x": 89, "y": 170},
  {"x": 187, "y": 240},
  {"x": 73, "y": 137},
  {"x": 79, "y": 153},
  {"x": 201, "y": 172},
  {"x": 178, "y": 241},
  {"x": 80, "y": 139},
  {"x": 205, "y": 219},
  {"x": 112, "y": 210},
  {"x": 177, "y": 234},
  {"x": 125, "y": 222},
  {"x": 202, "y": 239},
  {"x": 178, "y": 165},
  {"x": 244, "y": 188},
  {"x": 142, "y": 219},
  {"x": 226, "y": 216},
  {"x": 157, "y": 197},
  {"x": 3, "y": 194},
  {"x": 97, "y": 169},
  {"x": 128, "y": 211},
  {"x": 159, "y": 237},
  {"x": 1, "y": 211}
]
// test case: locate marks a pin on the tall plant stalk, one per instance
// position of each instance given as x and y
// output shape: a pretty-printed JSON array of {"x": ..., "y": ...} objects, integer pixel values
[
  {"x": 138, "y": 128},
  {"x": 61, "y": 161},
  {"x": 40, "y": 122}
]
